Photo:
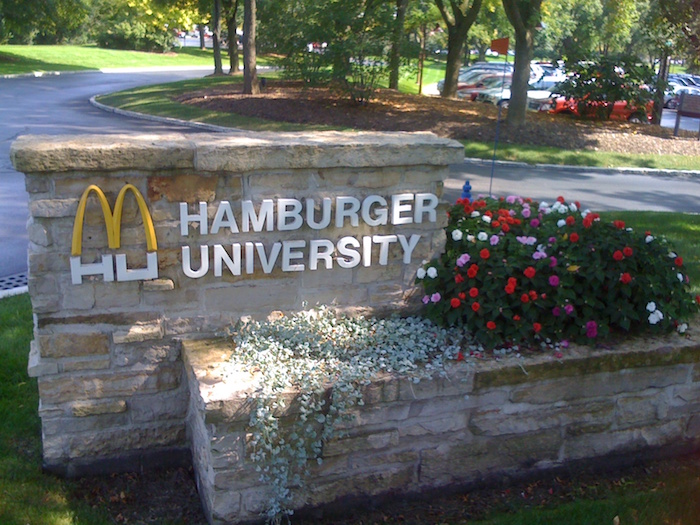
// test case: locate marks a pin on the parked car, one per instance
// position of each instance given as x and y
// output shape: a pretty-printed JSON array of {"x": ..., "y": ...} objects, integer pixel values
[
  {"x": 621, "y": 110},
  {"x": 491, "y": 68},
  {"x": 501, "y": 97},
  {"x": 469, "y": 92}
]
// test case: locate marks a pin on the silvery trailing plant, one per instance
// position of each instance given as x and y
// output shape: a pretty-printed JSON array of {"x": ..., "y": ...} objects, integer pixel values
[{"x": 321, "y": 362}]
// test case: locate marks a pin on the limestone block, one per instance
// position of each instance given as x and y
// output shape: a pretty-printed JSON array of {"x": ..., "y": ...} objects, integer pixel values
[
  {"x": 38, "y": 233},
  {"x": 90, "y": 363},
  {"x": 106, "y": 384},
  {"x": 94, "y": 408},
  {"x": 640, "y": 410},
  {"x": 85, "y": 424},
  {"x": 37, "y": 184},
  {"x": 162, "y": 406},
  {"x": 72, "y": 344},
  {"x": 78, "y": 297},
  {"x": 51, "y": 208},
  {"x": 117, "y": 295},
  {"x": 139, "y": 333},
  {"x": 433, "y": 426},
  {"x": 334, "y": 296},
  {"x": 145, "y": 354},
  {"x": 182, "y": 188},
  {"x": 158, "y": 285},
  {"x": 254, "y": 299},
  {"x": 373, "y": 441},
  {"x": 37, "y": 366}
]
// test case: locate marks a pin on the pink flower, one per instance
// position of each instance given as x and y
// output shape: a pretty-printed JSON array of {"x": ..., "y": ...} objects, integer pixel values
[
  {"x": 435, "y": 297},
  {"x": 569, "y": 309},
  {"x": 463, "y": 259},
  {"x": 535, "y": 223},
  {"x": 591, "y": 329},
  {"x": 554, "y": 280},
  {"x": 552, "y": 261},
  {"x": 556, "y": 311},
  {"x": 426, "y": 299},
  {"x": 526, "y": 213}
]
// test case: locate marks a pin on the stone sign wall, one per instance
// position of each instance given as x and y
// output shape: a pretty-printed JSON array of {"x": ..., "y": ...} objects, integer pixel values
[{"x": 138, "y": 242}]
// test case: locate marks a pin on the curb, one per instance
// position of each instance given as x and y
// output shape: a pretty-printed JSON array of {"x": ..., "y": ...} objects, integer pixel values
[
  {"x": 611, "y": 171},
  {"x": 164, "y": 120},
  {"x": 14, "y": 291}
]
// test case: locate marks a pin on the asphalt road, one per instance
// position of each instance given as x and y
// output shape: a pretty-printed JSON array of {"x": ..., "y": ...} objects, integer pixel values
[
  {"x": 60, "y": 105},
  {"x": 54, "y": 105}
]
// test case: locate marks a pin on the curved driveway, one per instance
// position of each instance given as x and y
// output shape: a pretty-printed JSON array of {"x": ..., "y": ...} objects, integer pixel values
[{"x": 60, "y": 105}]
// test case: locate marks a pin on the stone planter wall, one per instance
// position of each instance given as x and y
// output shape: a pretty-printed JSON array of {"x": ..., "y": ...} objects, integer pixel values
[
  {"x": 508, "y": 417},
  {"x": 107, "y": 352}
]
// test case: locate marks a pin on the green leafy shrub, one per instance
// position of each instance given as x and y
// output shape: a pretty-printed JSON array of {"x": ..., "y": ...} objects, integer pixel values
[
  {"x": 517, "y": 271},
  {"x": 596, "y": 85}
]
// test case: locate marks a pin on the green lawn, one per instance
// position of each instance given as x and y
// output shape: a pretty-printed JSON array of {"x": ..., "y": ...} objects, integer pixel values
[{"x": 30, "y": 59}]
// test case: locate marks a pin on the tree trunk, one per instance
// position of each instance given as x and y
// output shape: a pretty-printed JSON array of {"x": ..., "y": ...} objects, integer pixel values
[
  {"x": 454, "y": 61},
  {"x": 395, "y": 53},
  {"x": 202, "y": 45},
  {"x": 517, "y": 107},
  {"x": 660, "y": 87},
  {"x": 251, "y": 86},
  {"x": 458, "y": 22},
  {"x": 216, "y": 30},
  {"x": 524, "y": 16},
  {"x": 231, "y": 9}
]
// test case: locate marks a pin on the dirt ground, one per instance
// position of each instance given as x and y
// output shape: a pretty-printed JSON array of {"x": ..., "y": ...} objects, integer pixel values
[
  {"x": 394, "y": 111},
  {"x": 170, "y": 496}
]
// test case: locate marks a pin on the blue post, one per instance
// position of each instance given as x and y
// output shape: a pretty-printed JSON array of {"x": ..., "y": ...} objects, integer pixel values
[{"x": 467, "y": 191}]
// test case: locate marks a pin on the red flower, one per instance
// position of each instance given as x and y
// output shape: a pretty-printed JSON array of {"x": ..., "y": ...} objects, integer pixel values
[
  {"x": 516, "y": 317},
  {"x": 574, "y": 237},
  {"x": 476, "y": 306},
  {"x": 627, "y": 251},
  {"x": 484, "y": 254},
  {"x": 570, "y": 221},
  {"x": 491, "y": 325},
  {"x": 459, "y": 278},
  {"x": 678, "y": 261},
  {"x": 512, "y": 281},
  {"x": 536, "y": 327},
  {"x": 473, "y": 292},
  {"x": 533, "y": 295},
  {"x": 618, "y": 256},
  {"x": 529, "y": 272},
  {"x": 625, "y": 278},
  {"x": 697, "y": 299},
  {"x": 620, "y": 225},
  {"x": 505, "y": 228},
  {"x": 472, "y": 271},
  {"x": 509, "y": 289},
  {"x": 462, "y": 295},
  {"x": 496, "y": 224},
  {"x": 561, "y": 199},
  {"x": 460, "y": 356},
  {"x": 488, "y": 213},
  {"x": 454, "y": 302},
  {"x": 525, "y": 298}
]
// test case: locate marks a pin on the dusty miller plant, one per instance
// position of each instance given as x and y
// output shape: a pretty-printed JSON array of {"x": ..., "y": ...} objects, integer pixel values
[{"x": 323, "y": 361}]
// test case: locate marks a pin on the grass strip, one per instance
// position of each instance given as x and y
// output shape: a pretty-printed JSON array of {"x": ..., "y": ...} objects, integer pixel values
[{"x": 598, "y": 159}]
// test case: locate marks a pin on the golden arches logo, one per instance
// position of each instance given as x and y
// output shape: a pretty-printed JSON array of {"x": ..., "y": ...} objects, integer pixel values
[{"x": 113, "y": 221}]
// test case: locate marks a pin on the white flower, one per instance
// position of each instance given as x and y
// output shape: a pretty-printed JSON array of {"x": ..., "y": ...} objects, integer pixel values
[
  {"x": 457, "y": 235},
  {"x": 475, "y": 214},
  {"x": 680, "y": 277},
  {"x": 486, "y": 219},
  {"x": 584, "y": 213},
  {"x": 682, "y": 328},
  {"x": 561, "y": 223},
  {"x": 470, "y": 238},
  {"x": 573, "y": 206},
  {"x": 648, "y": 239},
  {"x": 543, "y": 205},
  {"x": 432, "y": 272},
  {"x": 672, "y": 255},
  {"x": 655, "y": 317},
  {"x": 420, "y": 274},
  {"x": 651, "y": 306},
  {"x": 482, "y": 236}
]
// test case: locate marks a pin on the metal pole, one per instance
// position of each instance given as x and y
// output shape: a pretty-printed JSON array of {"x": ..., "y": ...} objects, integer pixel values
[{"x": 498, "y": 125}]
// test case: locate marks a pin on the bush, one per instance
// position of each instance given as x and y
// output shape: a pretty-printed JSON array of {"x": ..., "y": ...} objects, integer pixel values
[
  {"x": 596, "y": 85},
  {"x": 515, "y": 271}
]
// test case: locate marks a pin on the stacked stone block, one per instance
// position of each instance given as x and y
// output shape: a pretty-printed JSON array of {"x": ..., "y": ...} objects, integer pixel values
[
  {"x": 486, "y": 419},
  {"x": 107, "y": 354}
]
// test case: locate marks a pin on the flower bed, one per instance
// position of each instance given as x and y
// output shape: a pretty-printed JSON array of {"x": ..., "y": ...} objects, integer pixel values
[{"x": 515, "y": 271}]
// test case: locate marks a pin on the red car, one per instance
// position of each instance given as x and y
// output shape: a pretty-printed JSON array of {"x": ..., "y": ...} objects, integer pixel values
[{"x": 621, "y": 109}]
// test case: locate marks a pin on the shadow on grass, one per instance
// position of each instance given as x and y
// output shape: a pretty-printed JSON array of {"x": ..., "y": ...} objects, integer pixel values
[{"x": 13, "y": 64}]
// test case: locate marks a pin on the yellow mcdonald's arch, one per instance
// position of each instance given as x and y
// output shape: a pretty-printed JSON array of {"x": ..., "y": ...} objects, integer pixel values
[{"x": 112, "y": 220}]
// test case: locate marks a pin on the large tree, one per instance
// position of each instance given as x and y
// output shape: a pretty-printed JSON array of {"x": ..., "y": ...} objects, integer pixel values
[
  {"x": 459, "y": 18},
  {"x": 396, "y": 37},
  {"x": 251, "y": 84},
  {"x": 525, "y": 17}
]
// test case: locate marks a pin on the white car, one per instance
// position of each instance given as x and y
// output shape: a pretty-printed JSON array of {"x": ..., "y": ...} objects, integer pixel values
[{"x": 501, "y": 97}]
